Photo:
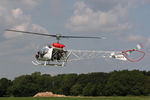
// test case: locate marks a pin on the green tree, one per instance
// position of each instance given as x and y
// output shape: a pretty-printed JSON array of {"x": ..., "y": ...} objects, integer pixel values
[
  {"x": 89, "y": 90},
  {"x": 100, "y": 89},
  {"x": 125, "y": 83},
  {"x": 68, "y": 81},
  {"x": 24, "y": 86},
  {"x": 45, "y": 83},
  {"x": 119, "y": 83},
  {"x": 76, "y": 89},
  {"x": 4, "y": 85}
]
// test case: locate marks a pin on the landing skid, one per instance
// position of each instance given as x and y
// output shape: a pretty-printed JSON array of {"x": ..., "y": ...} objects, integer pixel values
[{"x": 46, "y": 63}]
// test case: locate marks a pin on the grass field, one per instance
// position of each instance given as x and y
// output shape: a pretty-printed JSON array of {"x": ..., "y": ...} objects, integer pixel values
[{"x": 79, "y": 98}]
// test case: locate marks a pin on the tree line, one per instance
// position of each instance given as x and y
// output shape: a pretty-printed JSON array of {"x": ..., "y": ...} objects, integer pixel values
[{"x": 116, "y": 83}]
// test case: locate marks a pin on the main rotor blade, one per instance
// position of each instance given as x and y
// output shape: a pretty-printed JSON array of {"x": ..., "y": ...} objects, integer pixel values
[
  {"x": 57, "y": 35},
  {"x": 81, "y": 37},
  {"x": 31, "y": 33}
]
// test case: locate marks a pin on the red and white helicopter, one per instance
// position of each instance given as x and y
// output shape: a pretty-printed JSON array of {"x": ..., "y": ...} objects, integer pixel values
[{"x": 56, "y": 55}]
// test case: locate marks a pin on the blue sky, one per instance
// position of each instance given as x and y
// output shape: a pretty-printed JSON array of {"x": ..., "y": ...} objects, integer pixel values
[{"x": 123, "y": 22}]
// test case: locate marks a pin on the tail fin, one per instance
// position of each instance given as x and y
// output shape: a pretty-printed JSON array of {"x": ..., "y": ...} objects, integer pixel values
[{"x": 139, "y": 46}]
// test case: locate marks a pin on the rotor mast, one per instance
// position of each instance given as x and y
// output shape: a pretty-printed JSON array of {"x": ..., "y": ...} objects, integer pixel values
[{"x": 58, "y": 37}]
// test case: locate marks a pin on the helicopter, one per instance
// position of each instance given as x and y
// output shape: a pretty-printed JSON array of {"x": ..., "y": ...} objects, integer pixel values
[{"x": 57, "y": 55}]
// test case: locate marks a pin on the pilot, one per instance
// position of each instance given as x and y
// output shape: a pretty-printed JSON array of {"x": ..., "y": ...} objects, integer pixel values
[{"x": 49, "y": 46}]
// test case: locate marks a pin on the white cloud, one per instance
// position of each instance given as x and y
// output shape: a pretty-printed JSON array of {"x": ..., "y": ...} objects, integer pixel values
[
  {"x": 148, "y": 41},
  {"x": 13, "y": 17},
  {"x": 86, "y": 19},
  {"x": 38, "y": 28},
  {"x": 24, "y": 4},
  {"x": 17, "y": 12},
  {"x": 29, "y": 3},
  {"x": 24, "y": 27},
  {"x": 9, "y": 34},
  {"x": 136, "y": 38},
  {"x": 10, "y": 49},
  {"x": 110, "y": 4}
]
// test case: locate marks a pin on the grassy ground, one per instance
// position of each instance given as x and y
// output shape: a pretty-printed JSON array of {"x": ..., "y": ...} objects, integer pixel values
[{"x": 79, "y": 98}]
